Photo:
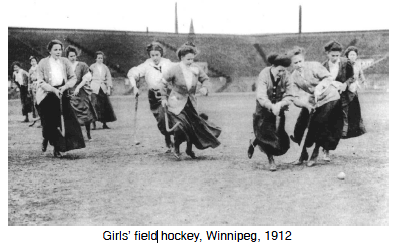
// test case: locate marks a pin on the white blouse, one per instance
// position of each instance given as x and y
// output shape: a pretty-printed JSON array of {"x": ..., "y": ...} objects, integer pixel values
[
  {"x": 334, "y": 68},
  {"x": 56, "y": 72}
]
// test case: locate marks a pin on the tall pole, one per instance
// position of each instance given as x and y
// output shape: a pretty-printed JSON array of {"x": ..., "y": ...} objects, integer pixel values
[
  {"x": 176, "y": 21},
  {"x": 300, "y": 19}
]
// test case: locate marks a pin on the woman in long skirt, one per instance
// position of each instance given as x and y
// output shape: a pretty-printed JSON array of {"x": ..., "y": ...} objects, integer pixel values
[
  {"x": 274, "y": 95},
  {"x": 342, "y": 70},
  {"x": 33, "y": 75},
  {"x": 21, "y": 78},
  {"x": 101, "y": 86},
  {"x": 181, "y": 104},
  {"x": 355, "y": 121},
  {"x": 317, "y": 94},
  {"x": 152, "y": 70},
  {"x": 60, "y": 125},
  {"x": 81, "y": 92}
]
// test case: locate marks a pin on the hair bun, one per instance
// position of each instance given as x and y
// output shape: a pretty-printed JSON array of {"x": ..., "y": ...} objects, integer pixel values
[{"x": 272, "y": 57}]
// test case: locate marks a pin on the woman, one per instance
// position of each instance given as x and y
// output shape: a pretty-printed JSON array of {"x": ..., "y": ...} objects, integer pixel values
[
  {"x": 33, "y": 87},
  {"x": 55, "y": 77},
  {"x": 81, "y": 92},
  {"x": 341, "y": 70},
  {"x": 181, "y": 103},
  {"x": 355, "y": 122},
  {"x": 21, "y": 78},
  {"x": 101, "y": 86},
  {"x": 318, "y": 95},
  {"x": 273, "y": 97},
  {"x": 152, "y": 70}
]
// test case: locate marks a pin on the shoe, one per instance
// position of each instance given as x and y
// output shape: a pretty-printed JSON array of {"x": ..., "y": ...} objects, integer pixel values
[
  {"x": 273, "y": 167},
  {"x": 57, "y": 154},
  {"x": 250, "y": 149},
  {"x": 25, "y": 121},
  {"x": 297, "y": 162},
  {"x": 177, "y": 155},
  {"x": 311, "y": 162},
  {"x": 44, "y": 145},
  {"x": 191, "y": 154},
  {"x": 326, "y": 156},
  {"x": 106, "y": 127}
]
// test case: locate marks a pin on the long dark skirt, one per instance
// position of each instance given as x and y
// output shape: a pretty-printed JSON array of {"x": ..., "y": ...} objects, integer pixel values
[
  {"x": 194, "y": 129},
  {"x": 103, "y": 107},
  {"x": 26, "y": 100},
  {"x": 325, "y": 127},
  {"x": 354, "y": 118},
  {"x": 271, "y": 140},
  {"x": 157, "y": 110},
  {"x": 83, "y": 107},
  {"x": 49, "y": 109}
]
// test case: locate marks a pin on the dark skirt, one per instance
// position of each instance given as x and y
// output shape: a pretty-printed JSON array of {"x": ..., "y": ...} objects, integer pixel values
[
  {"x": 355, "y": 122},
  {"x": 271, "y": 140},
  {"x": 83, "y": 107},
  {"x": 103, "y": 107},
  {"x": 157, "y": 110},
  {"x": 325, "y": 127},
  {"x": 26, "y": 100},
  {"x": 49, "y": 109},
  {"x": 194, "y": 129}
]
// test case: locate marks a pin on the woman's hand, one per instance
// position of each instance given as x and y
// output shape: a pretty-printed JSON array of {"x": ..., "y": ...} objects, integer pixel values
[
  {"x": 76, "y": 91},
  {"x": 57, "y": 92},
  {"x": 203, "y": 91},
  {"x": 62, "y": 89},
  {"x": 342, "y": 87},
  {"x": 135, "y": 91},
  {"x": 164, "y": 103},
  {"x": 109, "y": 91}
]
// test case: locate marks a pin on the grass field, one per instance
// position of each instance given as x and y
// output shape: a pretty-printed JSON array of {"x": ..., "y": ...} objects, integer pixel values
[{"x": 113, "y": 182}]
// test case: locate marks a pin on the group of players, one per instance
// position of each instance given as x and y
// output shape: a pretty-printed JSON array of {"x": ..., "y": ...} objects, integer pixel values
[{"x": 67, "y": 94}]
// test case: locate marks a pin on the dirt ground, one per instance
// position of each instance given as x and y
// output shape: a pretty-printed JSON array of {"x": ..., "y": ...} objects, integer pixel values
[{"x": 114, "y": 182}]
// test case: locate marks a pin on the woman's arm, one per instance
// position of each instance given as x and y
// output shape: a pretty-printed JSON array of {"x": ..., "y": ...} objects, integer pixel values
[
  {"x": 261, "y": 92},
  {"x": 202, "y": 78}
]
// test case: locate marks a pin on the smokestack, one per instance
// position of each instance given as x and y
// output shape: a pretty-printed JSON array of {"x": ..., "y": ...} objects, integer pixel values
[
  {"x": 191, "y": 29},
  {"x": 300, "y": 19},
  {"x": 176, "y": 21}
]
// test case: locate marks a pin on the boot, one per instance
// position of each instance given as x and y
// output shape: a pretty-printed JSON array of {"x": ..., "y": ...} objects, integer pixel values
[
  {"x": 44, "y": 145},
  {"x": 272, "y": 164},
  {"x": 326, "y": 155}
]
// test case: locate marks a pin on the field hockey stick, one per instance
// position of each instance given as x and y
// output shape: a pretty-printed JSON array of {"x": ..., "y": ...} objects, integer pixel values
[
  {"x": 136, "y": 105},
  {"x": 168, "y": 129},
  {"x": 303, "y": 141},
  {"x": 62, "y": 131}
]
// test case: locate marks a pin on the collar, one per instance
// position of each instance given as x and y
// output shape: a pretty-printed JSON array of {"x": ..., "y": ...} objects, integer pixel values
[{"x": 334, "y": 64}]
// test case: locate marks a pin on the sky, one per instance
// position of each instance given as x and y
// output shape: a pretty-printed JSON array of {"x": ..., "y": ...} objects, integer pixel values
[{"x": 209, "y": 16}]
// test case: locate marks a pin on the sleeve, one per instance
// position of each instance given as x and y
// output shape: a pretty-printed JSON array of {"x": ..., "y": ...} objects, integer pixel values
[
  {"x": 41, "y": 83},
  {"x": 168, "y": 76},
  {"x": 289, "y": 89},
  {"x": 349, "y": 73},
  {"x": 202, "y": 76},
  {"x": 14, "y": 79},
  {"x": 71, "y": 78},
  {"x": 137, "y": 72},
  {"x": 261, "y": 92},
  {"x": 108, "y": 77},
  {"x": 325, "y": 78}
]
